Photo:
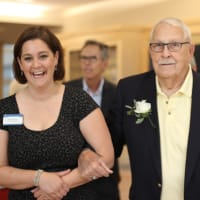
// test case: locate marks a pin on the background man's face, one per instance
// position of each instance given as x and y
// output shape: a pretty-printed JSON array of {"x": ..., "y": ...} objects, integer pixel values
[{"x": 92, "y": 64}]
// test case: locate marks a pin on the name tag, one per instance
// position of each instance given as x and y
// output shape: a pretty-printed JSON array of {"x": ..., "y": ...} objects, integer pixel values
[{"x": 12, "y": 119}]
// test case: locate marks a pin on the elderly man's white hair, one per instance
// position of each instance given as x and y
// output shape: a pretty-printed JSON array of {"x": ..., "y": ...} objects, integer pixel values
[{"x": 174, "y": 22}]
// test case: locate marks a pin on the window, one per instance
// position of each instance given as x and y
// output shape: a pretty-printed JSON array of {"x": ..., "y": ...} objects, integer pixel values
[{"x": 7, "y": 54}]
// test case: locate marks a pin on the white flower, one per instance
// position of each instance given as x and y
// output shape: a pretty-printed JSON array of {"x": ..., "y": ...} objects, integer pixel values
[{"x": 141, "y": 109}]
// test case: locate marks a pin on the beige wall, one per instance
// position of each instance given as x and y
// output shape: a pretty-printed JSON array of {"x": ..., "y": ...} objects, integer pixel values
[
  {"x": 131, "y": 43},
  {"x": 128, "y": 29},
  {"x": 144, "y": 16}
]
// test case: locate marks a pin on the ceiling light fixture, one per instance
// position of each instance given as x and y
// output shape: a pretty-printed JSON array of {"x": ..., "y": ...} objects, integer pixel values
[{"x": 21, "y": 10}]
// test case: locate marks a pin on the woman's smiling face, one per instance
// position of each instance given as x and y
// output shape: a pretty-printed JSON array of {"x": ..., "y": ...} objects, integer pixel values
[{"x": 38, "y": 62}]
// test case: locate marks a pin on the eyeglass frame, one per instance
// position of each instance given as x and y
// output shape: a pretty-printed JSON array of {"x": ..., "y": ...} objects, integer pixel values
[
  {"x": 162, "y": 45},
  {"x": 92, "y": 59}
]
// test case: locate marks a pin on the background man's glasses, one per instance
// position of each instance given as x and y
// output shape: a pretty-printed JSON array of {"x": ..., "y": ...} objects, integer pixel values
[
  {"x": 88, "y": 58},
  {"x": 172, "y": 46}
]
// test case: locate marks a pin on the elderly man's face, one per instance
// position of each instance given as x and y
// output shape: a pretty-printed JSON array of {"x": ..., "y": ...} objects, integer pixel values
[{"x": 168, "y": 63}]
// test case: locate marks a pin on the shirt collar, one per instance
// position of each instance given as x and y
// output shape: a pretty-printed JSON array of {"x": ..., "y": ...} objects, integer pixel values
[{"x": 99, "y": 89}]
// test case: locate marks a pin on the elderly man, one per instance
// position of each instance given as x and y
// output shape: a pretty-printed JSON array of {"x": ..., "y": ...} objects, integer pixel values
[{"x": 157, "y": 115}]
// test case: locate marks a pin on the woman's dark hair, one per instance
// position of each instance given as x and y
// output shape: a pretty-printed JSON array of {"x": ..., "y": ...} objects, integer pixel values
[{"x": 44, "y": 34}]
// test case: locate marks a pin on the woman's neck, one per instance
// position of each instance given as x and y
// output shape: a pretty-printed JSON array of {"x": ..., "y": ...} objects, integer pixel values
[{"x": 41, "y": 94}]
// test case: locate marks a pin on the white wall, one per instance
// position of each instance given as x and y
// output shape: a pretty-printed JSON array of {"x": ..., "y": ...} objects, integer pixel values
[{"x": 139, "y": 16}]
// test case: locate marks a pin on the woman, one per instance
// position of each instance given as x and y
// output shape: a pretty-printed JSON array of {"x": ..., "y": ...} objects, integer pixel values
[{"x": 45, "y": 125}]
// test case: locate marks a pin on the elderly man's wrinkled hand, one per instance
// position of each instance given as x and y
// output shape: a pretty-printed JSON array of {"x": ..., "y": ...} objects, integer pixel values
[{"x": 91, "y": 166}]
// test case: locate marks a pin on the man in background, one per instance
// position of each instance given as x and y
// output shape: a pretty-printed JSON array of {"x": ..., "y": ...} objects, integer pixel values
[{"x": 93, "y": 61}]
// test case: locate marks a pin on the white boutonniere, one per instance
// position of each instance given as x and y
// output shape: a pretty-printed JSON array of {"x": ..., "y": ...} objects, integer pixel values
[{"x": 141, "y": 110}]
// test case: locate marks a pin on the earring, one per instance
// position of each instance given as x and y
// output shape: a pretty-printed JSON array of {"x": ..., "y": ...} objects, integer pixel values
[{"x": 21, "y": 73}]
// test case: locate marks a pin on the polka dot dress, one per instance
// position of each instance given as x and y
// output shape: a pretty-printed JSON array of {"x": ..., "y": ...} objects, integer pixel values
[{"x": 54, "y": 149}]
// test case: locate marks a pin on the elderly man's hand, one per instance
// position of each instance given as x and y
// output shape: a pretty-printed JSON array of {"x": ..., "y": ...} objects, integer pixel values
[{"x": 91, "y": 166}]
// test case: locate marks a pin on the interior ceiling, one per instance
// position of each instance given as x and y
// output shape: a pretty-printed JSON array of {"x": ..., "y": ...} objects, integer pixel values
[{"x": 9, "y": 30}]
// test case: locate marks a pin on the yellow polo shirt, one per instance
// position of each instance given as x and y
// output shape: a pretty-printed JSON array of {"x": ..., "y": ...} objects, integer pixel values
[{"x": 174, "y": 122}]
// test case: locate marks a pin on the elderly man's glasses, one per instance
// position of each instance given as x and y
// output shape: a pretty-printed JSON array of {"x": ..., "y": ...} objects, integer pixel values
[
  {"x": 172, "y": 46},
  {"x": 88, "y": 58}
]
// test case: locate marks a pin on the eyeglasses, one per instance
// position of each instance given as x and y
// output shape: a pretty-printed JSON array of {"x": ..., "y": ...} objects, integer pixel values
[
  {"x": 172, "y": 46},
  {"x": 92, "y": 59}
]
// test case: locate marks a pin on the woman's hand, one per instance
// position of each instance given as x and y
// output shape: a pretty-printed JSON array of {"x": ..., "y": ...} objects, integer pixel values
[
  {"x": 41, "y": 195},
  {"x": 51, "y": 186}
]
